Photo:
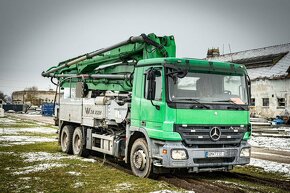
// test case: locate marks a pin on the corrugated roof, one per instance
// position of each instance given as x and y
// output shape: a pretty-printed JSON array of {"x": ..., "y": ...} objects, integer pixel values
[{"x": 279, "y": 70}]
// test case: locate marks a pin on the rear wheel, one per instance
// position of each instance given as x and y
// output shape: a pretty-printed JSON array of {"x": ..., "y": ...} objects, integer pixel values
[
  {"x": 141, "y": 163},
  {"x": 78, "y": 143},
  {"x": 66, "y": 139}
]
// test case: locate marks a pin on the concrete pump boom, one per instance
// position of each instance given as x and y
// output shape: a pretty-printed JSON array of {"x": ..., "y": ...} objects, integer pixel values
[{"x": 110, "y": 68}]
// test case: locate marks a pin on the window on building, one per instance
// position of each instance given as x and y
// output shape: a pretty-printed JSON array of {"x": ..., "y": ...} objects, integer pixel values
[
  {"x": 281, "y": 102},
  {"x": 265, "y": 102},
  {"x": 253, "y": 102}
]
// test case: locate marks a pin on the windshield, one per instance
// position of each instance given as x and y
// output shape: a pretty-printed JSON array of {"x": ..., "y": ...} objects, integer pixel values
[{"x": 208, "y": 88}]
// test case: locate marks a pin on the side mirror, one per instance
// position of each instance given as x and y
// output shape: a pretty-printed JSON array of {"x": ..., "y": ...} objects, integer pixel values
[
  {"x": 249, "y": 88},
  {"x": 151, "y": 89}
]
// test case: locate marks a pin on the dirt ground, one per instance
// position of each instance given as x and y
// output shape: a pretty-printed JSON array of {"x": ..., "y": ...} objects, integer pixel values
[{"x": 271, "y": 155}]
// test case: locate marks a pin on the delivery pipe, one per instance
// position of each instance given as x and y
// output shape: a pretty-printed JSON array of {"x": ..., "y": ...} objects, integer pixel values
[
  {"x": 93, "y": 76},
  {"x": 131, "y": 40}
]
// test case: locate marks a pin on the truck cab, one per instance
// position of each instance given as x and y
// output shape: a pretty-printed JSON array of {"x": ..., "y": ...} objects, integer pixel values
[{"x": 194, "y": 113}]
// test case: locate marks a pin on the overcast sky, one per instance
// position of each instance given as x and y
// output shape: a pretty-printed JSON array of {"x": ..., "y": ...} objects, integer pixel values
[{"x": 36, "y": 34}]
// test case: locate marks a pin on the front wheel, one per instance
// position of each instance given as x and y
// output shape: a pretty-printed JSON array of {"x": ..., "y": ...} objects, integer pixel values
[{"x": 141, "y": 163}]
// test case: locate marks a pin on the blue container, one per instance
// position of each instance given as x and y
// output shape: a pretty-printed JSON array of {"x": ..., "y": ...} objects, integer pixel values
[
  {"x": 47, "y": 109},
  {"x": 15, "y": 107}
]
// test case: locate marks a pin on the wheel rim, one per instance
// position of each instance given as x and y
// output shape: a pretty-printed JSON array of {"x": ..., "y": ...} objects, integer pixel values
[
  {"x": 139, "y": 159},
  {"x": 64, "y": 141},
  {"x": 77, "y": 143}
]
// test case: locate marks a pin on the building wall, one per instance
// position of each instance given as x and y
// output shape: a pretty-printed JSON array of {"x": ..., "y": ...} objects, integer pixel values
[
  {"x": 34, "y": 97},
  {"x": 272, "y": 89}
]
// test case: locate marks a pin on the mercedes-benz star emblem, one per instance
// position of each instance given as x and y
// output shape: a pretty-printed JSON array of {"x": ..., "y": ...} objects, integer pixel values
[{"x": 215, "y": 133}]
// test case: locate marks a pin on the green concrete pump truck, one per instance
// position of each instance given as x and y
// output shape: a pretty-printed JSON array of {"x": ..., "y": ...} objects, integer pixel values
[{"x": 137, "y": 102}]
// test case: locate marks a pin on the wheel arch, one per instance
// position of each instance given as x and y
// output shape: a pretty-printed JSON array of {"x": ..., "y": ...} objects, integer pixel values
[{"x": 134, "y": 134}]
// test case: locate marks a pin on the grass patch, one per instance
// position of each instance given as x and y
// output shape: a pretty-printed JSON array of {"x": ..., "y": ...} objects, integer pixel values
[
  {"x": 74, "y": 174},
  {"x": 91, "y": 177},
  {"x": 31, "y": 134},
  {"x": 95, "y": 178},
  {"x": 50, "y": 147},
  {"x": 25, "y": 125},
  {"x": 18, "y": 125}
]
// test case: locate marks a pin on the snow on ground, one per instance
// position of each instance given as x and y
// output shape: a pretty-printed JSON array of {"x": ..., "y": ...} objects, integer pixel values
[
  {"x": 88, "y": 160},
  {"x": 32, "y": 114},
  {"x": 271, "y": 143},
  {"x": 47, "y": 161},
  {"x": 41, "y": 156},
  {"x": 8, "y": 131},
  {"x": 284, "y": 128},
  {"x": 38, "y": 168},
  {"x": 44, "y": 130},
  {"x": 169, "y": 191},
  {"x": 78, "y": 184},
  {"x": 122, "y": 187},
  {"x": 22, "y": 140},
  {"x": 7, "y": 121},
  {"x": 270, "y": 166},
  {"x": 74, "y": 173},
  {"x": 45, "y": 156},
  {"x": 41, "y": 160},
  {"x": 12, "y": 136}
]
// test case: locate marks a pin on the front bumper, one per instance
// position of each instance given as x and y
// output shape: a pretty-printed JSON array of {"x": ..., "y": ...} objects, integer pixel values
[{"x": 202, "y": 158}]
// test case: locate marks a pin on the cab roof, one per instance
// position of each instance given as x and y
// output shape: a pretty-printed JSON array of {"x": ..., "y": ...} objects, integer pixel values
[{"x": 196, "y": 65}]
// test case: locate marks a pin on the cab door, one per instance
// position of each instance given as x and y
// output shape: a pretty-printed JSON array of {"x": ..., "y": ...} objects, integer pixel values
[{"x": 152, "y": 111}]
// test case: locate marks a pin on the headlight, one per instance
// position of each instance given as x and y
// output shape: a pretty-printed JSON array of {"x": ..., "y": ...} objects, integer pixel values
[
  {"x": 245, "y": 152},
  {"x": 179, "y": 154}
]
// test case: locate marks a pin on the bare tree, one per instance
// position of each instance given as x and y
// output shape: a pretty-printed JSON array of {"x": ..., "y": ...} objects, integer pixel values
[
  {"x": 33, "y": 88},
  {"x": 3, "y": 96},
  {"x": 31, "y": 95}
]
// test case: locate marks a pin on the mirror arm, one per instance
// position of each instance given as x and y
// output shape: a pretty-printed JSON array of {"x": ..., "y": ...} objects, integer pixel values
[{"x": 249, "y": 89}]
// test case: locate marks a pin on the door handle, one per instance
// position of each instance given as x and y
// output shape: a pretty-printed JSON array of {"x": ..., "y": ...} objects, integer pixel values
[{"x": 143, "y": 123}]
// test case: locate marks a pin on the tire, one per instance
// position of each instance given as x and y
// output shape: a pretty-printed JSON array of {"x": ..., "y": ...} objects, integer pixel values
[
  {"x": 141, "y": 163},
  {"x": 66, "y": 139},
  {"x": 78, "y": 144}
]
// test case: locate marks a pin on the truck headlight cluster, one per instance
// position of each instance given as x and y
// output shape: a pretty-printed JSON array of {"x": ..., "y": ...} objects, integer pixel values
[
  {"x": 245, "y": 152},
  {"x": 179, "y": 154}
]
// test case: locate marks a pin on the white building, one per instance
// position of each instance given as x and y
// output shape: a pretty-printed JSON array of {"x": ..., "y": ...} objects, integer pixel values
[
  {"x": 36, "y": 97},
  {"x": 269, "y": 71}
]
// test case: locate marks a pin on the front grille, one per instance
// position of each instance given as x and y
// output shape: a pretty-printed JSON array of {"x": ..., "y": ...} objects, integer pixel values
[
  {"x": 199, "y": 135},
  {"x": 214, "y": 160}
]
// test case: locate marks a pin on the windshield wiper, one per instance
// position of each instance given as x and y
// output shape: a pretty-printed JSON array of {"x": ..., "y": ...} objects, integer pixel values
[
  {"x": 196, "y": 101},
  {"x": 232, "y": 102}
]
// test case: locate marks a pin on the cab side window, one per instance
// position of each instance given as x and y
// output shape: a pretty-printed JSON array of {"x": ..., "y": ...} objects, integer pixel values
[{"x": 158, "y": 80}]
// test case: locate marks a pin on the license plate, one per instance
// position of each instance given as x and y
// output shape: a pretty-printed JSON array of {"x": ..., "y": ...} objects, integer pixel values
[{"x": 214, "y": 154}]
